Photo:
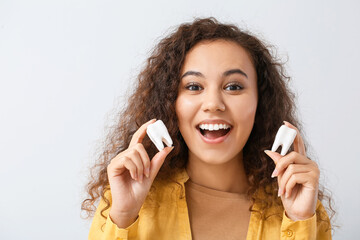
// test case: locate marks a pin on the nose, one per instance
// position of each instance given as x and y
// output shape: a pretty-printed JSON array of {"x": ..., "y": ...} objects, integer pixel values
[{"x": 213, "y": 101}]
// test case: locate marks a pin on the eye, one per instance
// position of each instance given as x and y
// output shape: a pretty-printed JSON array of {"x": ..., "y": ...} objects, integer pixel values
[
  {"x": 193, "y": 87},
  {"x": 234, "y": 87}
]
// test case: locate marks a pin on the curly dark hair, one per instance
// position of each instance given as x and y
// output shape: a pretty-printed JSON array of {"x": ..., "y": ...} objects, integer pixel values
[{"x": 155, "y": 95}]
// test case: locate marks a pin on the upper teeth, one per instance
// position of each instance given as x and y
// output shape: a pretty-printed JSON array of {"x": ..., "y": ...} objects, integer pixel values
[{"x": 212, "y": 127}]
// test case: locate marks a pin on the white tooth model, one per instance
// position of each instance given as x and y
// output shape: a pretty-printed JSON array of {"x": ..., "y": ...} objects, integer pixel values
[
  {"x": 284, "y": 137},
  {"x": 158, "y": 134}
]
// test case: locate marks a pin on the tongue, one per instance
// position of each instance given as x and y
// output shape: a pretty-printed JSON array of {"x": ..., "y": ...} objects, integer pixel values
[{"x": 215, "y": 134}]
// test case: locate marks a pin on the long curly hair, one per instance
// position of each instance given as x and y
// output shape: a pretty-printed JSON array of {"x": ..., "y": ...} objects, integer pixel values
[{"x": 155, "y": 95}]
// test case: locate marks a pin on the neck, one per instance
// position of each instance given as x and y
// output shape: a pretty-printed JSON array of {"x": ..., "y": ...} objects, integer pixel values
[{"x": 227, "y": 177}]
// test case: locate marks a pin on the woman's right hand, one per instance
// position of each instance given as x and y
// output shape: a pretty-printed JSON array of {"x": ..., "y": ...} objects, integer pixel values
[{"x": 130, "y": 175}]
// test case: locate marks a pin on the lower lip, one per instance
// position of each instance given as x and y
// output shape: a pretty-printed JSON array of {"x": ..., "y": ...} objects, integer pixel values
[{"x": 214, "y": 140}]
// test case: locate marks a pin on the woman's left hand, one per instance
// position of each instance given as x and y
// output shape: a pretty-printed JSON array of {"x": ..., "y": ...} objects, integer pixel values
[{"x": 298, "y": 179}]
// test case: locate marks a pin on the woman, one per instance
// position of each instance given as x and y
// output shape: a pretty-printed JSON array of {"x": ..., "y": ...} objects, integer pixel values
[{"x": 222, "y": 97}]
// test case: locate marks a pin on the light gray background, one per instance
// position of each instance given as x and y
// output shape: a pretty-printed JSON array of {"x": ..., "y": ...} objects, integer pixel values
[{"x": 65, "y": 64}]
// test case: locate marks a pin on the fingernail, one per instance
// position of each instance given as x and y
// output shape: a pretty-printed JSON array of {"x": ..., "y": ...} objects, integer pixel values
[
  {"x": 152, "y": 120},
  {"x": 279, "y": 192},
  {"x": 286, "y": 195},
  {"x": 141, "y": 178},
  {"x": 275, "y": 173},
  {"x": 266, "y": 151},
  {"x": 147, "y": 172},
  {"x": 135, "y": 176}
]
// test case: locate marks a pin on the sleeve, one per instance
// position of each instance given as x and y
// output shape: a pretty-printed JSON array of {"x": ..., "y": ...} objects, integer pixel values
[
  {"x": 105, "y": 229},
  {"x": 310, "y": 228}
]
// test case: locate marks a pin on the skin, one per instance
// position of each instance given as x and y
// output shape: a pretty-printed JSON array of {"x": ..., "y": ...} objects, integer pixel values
[
  {"x": 212, "y": 95},
  {"x": 232, "y": 98},
  {"x": 298, "y": 179},
  {"x": 130, "y": 175}
]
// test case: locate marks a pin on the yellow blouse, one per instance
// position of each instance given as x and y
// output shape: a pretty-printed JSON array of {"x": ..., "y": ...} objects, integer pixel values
[{"x": 164, "y": 215}]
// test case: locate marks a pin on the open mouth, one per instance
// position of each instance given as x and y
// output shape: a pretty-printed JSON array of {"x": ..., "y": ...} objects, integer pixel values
[{"x": 214, "y": 133}]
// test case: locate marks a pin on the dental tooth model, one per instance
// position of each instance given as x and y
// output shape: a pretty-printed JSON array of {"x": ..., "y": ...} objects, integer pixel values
[
  {"x": 284, "y": 137},
  {"x": 158, "y": 134}
]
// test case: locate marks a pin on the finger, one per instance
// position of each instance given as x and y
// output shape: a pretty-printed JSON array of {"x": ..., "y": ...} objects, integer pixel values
[
  {"x": 275, "y": 156},
  {"x": 291, "y": 158},
  {"x": 136, "y": 158},
  {"x": 157, "y": 161},
  {"x": 291, "y": 170},
  {"x": 144, "y": 158},
  {"x": 130, "y": 165},
  {"x": 298, "y": 178},
  {"x": 298, "y": 141},
  {"x": 140, "y": 133}
]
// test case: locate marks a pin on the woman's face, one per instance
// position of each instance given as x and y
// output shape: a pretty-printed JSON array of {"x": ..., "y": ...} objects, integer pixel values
[{"x": 217, "y": 100}]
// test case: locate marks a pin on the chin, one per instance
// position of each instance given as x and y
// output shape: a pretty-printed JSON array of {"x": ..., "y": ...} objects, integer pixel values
[{"x": 215, "y": 157}]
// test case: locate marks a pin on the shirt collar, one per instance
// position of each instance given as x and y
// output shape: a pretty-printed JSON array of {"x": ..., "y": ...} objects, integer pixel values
[{"x": 181, "y": 176}]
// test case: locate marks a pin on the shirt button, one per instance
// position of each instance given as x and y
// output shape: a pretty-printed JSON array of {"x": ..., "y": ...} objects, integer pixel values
[{"x": 289, "y": 233}]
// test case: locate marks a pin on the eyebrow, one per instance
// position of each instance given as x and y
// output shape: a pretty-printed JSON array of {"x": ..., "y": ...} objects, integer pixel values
[{"x": 225, "y": 74}]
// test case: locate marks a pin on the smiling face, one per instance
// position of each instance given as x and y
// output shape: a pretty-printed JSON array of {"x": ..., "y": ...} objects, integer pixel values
[{"x": 217, "y": 100}]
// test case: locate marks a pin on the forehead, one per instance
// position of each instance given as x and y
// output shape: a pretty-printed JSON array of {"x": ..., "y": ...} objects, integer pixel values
[{"x": 218, "y": 55}]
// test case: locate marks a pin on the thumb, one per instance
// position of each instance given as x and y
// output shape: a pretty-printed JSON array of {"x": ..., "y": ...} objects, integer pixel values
[
  {"x": 158, "y": 161},
  {"x": 273, "y": 155}
]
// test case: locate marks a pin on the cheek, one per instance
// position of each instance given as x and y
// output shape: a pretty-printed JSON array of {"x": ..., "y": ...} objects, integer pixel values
[
  {"x": 246, "y": 110},
  {"x": 245, "y": 117},
  {"x": 185, "y": 109}
]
